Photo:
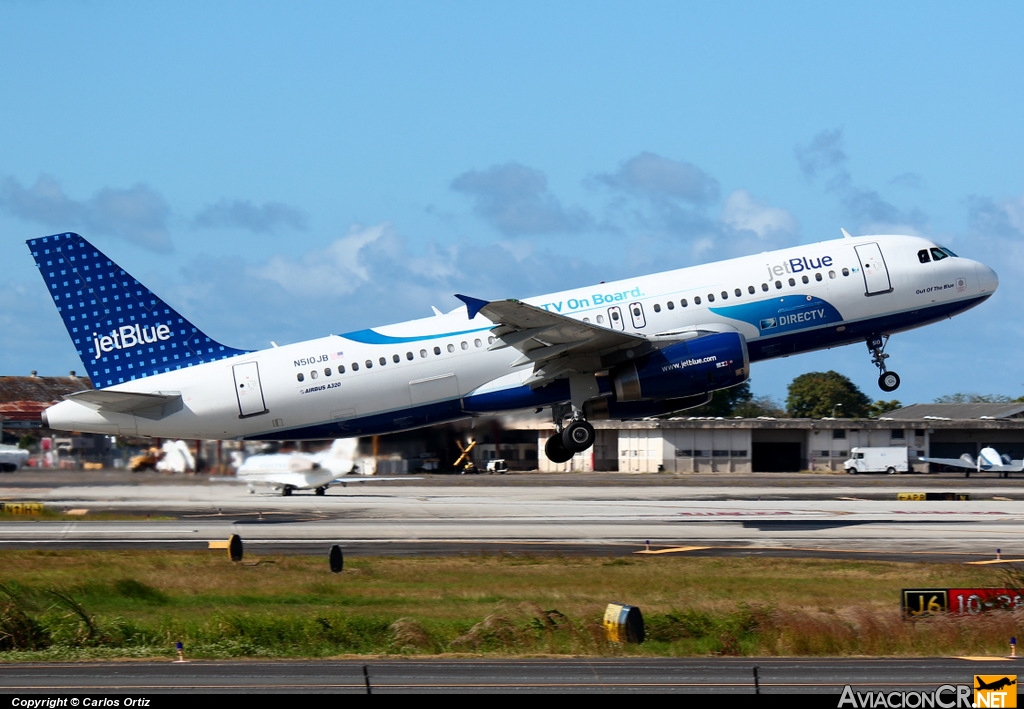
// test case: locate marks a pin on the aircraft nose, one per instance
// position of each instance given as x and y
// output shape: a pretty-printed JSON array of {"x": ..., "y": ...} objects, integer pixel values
[{"x": 988, "y": 281}]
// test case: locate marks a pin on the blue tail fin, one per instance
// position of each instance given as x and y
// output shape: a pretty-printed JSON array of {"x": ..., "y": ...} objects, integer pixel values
[{"x": 121, "y": 330}]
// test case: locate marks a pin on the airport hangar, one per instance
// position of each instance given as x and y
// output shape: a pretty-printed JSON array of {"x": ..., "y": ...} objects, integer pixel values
[{"x": 680, "y": 444}]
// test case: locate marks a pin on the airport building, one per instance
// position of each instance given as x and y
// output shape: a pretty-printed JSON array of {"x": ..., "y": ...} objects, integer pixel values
[{"x": 780, "y": 445}]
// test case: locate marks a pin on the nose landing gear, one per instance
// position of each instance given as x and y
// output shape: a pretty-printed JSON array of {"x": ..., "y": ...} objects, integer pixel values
[{"x": 887, "y": 381}]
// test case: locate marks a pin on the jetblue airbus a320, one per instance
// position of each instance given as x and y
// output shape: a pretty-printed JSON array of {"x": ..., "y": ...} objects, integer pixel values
[{"x": 639, "y": 347}]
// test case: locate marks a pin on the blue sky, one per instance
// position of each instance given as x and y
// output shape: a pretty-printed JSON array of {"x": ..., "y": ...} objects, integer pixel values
[{"x": 283, "y": 171}]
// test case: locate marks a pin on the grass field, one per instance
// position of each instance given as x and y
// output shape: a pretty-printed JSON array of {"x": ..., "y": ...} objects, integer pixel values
[{"x": 71, "y": 605}]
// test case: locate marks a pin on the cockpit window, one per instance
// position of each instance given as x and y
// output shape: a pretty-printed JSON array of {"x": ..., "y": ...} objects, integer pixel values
[
  {"x": 939, "y": 254},
  {"x": 948, "y": 252},
  {"x": 923, "y": 256}
]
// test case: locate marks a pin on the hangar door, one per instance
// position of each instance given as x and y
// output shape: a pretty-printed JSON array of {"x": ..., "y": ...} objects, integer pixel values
[{"x": 776, "y": 457}]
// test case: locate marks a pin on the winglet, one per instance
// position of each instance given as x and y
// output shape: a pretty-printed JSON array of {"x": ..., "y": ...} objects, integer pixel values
[
  {"x": 473, "y": 305},
  {"x": 846, "y": 234}
]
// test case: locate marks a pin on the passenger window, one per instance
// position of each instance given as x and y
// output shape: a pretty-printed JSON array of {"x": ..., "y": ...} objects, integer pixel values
[
  {"x": 600, "y": 319},
  {"x": 409, "y": 356},
  {"x": 490, "y": 340},
  {"x": 300, "y": 376},
  {"x": 696, "y": 300},
  {"x": 750, "y": 289},
  {"x": 383, "y": 361},
  {"x": 657, "y": 307},
  {"x": 738, "y": 292},
  {"x": 477, "y": 343},
  {"x": 327, "y": 372},
  {"x": 437, "y": 350},
  {"x": 671, "y": 305},
  {"x": 451, "y": 347},
  {"x": 312, "y": 375},
  {"x": 778, "y": 285},
  {"x": 792, "y": 282},
  {"x": 711, "y": 297},
  {"x": 806, "y": 279},
  {"x": 341, "y": 369},
  {"x": 355, "y": 366},
  {"x": 369, "y": 364},
  {"x": 725, "y": 295},
  {"x": 764, "y": 287},
  {"x": 817, "y": 276},
  {"x": 846, "y": 272},
  {"x": 465, "y": 345},
  {"x": 423, "y": 353},
  {"x": 683, "y": 302},
  {"x": 395, "y": 358},
  {"x": 923, "y": 256},
  {"x": 832, "y": 274}
]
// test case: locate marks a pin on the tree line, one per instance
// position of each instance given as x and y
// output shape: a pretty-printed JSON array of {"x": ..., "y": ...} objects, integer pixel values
[{"x": 820, "y": 395}]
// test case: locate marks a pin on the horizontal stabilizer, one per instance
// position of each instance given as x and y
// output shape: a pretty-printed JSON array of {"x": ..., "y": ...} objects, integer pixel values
[{"x": 157, "y": 405}]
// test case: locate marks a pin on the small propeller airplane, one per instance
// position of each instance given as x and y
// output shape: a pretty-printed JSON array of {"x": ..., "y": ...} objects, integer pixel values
[{"x": 989, "y": 460}]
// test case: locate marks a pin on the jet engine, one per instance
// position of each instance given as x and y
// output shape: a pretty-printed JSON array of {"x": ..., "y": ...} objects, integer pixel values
[{"x": 684, "y": 369}]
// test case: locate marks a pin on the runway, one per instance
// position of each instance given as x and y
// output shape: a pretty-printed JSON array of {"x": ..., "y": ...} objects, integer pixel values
[
  {"x": 749, "y": 676},
  {"x": 595, "y": 513}
]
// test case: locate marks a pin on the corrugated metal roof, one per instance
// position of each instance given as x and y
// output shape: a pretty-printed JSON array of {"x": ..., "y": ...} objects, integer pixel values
[
  {"x": 40, "y": 389},
  {"x": 958, "y": 412}
]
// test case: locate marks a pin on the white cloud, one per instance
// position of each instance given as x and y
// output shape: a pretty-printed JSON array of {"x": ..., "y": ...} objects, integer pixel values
[
  {"x": 243, "y": 214},
  {"x": 657, "y": 177},
  {"x": 136, "y": 214},
  {"x": 516, "y": 201},
  {"x": 744, "y": 213},
  {"x": 336, "y": 270}
]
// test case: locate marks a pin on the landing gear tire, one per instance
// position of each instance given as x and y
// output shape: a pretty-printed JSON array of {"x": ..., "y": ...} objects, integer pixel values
[
  {"x": 286, "y": 491},
  {"x": 556, "y": 451},
  {"x": 578, "y": 436},
  {"x": 889, "y": 381},
  {"x": 321, "y": 490}
]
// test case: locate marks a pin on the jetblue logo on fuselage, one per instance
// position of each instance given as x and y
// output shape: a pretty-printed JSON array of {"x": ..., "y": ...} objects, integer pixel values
[
  {"x": 796, "y": 265},
  {"x": 128, "y": 336}
]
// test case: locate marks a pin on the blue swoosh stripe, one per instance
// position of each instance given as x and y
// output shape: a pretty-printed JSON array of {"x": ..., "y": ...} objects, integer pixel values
[{"x": 372, "y": 337}]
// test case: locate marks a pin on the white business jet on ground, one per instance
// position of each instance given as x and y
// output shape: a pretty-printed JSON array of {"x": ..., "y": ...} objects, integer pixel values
[{"x": 639, "y": 347}]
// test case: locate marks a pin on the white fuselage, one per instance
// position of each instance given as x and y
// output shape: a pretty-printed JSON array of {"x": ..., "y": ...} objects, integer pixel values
[{"x": 423, "y": 371}]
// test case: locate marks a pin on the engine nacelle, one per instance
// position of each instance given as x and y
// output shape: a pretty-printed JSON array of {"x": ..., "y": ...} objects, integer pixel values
[{"x": 690, "y": 368}]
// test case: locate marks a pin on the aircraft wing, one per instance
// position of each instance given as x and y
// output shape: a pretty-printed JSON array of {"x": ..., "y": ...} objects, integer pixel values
[
  {"x": 544, "y": 337},
  {"x": 344, "y": 481},
  {"x": 965, "y": 461},
  {"x": 155, "y": 405}
]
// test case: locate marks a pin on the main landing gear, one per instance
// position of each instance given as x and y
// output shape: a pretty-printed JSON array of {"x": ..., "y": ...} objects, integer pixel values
[
  {"x": 573, "y": 434},
  {"x": 887, "y": 381}
]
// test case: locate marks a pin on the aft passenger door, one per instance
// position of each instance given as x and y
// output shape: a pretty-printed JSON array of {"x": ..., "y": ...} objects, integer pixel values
[
  {"x": 249, "y": 390},
  {"x": 872, "y": 265}
]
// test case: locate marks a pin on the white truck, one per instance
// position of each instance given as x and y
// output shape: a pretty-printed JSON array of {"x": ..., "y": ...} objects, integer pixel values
[
  {"x": 12, "y": 458},
  {"x": 883, "y": 459}
]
